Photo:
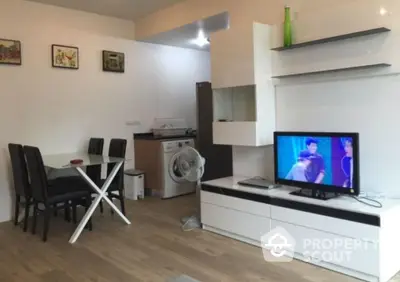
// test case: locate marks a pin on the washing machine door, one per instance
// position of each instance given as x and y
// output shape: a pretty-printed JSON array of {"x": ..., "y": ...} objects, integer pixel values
[{"x": 173, "y": 169}]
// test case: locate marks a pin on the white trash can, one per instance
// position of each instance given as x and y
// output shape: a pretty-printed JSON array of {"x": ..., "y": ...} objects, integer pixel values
[{"x": 134, "y": 184}]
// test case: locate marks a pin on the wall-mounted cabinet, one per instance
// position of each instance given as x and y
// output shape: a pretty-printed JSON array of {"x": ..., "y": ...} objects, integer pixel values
[
  {"x": 238, "y": 133},
  {"x": 240, "y": 55},
  {"x": 235, "y": 104},
  {"x": 244, "y": 115},
  {"x": 232, "y": 57},
  {"x": 235, "y": 116},
  {"x": 243, "y": 96}
]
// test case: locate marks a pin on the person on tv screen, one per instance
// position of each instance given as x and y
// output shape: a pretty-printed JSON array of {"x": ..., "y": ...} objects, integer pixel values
[
  {"x": 316, "y": 170},
  {"x": 347, "y": 163},
  {"x": 298, "y": 171}
]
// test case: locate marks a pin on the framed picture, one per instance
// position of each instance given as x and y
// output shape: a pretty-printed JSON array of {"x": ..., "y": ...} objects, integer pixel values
[
  {"x": 113, "y": 61},
  {"x": 66, "y": 57},
  {"x": 10, "y": 52}
]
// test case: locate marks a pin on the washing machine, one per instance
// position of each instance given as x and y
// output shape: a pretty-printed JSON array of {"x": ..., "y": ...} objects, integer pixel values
[{"x": 173, "y": 182}]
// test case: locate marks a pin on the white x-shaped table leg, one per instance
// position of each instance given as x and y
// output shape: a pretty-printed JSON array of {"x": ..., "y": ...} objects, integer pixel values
[{"x": 101, "y": 196}]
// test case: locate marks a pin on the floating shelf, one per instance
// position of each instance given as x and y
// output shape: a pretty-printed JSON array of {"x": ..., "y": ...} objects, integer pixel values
[
  {"x": 334, "y": 38},
  {"x": 381, "y": 65}
]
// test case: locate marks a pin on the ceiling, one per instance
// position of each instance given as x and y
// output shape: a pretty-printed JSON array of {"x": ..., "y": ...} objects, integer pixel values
[
  {"x": 123, "y": 9},
  {"x": 185, "y": 35}
]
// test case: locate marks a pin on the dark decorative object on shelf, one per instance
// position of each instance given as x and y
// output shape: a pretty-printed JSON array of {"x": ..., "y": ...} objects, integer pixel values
[
  {"x": 334, "y": 38},
  {"x": 113, "y": 61},
  {"x": 287, "y": 37},
  {"x": 66, "y": 57},
  {"x": 381, "y": 65},
  {"x": 10, "y": 52}
]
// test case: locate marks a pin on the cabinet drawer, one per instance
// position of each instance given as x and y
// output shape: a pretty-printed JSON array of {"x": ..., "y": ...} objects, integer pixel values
[
  {"x": 328, "y": 224},
  {"x": 233, "y": 221},
  {"x": 339, "y": 250},
  {"x": 246, "y": 206},
  {"x": 238, "y": 133}
]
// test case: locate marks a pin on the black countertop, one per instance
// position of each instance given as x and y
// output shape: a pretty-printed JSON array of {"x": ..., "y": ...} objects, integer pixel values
[{"x": 150, "y": 136}]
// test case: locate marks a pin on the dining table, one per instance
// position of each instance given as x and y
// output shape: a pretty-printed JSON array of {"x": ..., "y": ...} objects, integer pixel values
[{"x": 63, "y": 161}]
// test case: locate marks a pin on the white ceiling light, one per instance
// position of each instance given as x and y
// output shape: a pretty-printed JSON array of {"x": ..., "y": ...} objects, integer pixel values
[
  {"x": 383, "y": 11},
  {"x": 201, "y": 39}
]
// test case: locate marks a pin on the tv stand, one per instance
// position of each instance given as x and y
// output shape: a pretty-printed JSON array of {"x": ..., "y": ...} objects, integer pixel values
[
  {"x": 315, "y": 194},
  {"x": 341, "y": 234}
]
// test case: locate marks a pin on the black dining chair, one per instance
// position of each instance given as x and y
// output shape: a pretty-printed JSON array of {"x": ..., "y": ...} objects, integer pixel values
[
  {"x": 21, "y": 182},
  {"x": 95, "y": 148},
  {"x": 94, "y": 172},
  {"x": 116, "y": 190},
  {"x": 48, "y": 195}
]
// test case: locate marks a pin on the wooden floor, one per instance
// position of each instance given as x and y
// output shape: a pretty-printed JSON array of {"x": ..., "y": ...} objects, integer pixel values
[{"x": 152, "y": 249}]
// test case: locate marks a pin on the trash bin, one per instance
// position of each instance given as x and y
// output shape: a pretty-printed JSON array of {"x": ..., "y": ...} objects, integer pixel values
[{"x": 134, "y": 184}]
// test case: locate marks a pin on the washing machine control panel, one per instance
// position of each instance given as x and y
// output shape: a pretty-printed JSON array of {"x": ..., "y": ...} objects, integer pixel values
[{"x": 174, "y": 146}]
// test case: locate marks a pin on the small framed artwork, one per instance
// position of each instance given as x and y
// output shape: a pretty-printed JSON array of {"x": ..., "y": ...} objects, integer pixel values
[
  {"x": 66, "y": 57},
  {"x": 113, "y": 61},
  {"x": 10, "y": 52}
]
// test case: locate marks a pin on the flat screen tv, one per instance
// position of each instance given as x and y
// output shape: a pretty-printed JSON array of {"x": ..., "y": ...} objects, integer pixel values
[{"x": 319, "y": 161}]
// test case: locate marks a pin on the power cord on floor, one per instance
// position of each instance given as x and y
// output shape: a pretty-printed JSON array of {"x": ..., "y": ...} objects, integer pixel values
[
  {"x": 373, "y": 203},
  {"x": 190, "y": 223}
]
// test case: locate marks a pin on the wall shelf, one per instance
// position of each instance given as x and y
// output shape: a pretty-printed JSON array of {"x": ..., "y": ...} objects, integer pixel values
[
  {"x": 371, "y": 66},
  {"x": 334, "y": 38}
]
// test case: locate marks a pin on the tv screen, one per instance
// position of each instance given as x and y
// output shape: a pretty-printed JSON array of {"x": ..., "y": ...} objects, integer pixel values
[{"x": 322, "y": 161}]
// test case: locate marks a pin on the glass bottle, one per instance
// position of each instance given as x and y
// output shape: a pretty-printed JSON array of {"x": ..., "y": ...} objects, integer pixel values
[{"x": 287, "y": 34}]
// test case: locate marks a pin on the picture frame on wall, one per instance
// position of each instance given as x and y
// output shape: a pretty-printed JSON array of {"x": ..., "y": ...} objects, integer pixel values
[
  {"x": 66, "y": 57},
  {"x": 113, "y": 61},
  {"x": 10, "y": 52}
]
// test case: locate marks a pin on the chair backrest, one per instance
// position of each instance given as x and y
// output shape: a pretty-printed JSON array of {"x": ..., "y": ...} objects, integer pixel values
[
  {"x": 37, "y": 173},
  {"x": 117, "y": 149},
  {"x": 19, "y": 170},
  {"x": 95, "y": 148}
]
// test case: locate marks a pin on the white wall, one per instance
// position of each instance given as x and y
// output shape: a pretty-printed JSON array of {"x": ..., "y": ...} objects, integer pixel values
[
  {"x": 58, "y": 110},
  {"x": 369, "y": 106},
  {"x": 364, "y": 102}
]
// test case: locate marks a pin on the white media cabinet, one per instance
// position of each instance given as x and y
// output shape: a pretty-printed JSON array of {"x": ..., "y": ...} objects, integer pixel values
[{"x": 246, "y": 214}]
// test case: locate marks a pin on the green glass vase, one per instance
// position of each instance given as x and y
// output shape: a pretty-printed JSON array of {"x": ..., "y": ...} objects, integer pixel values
[{"x": 287, "y": 33}]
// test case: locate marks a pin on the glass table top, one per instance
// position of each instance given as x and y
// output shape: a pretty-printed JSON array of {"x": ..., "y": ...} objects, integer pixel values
[{"x": 62, "y": 161}]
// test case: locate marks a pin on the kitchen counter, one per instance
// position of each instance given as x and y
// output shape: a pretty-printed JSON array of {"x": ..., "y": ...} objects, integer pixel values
[{"x": 150, "y": 136}]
